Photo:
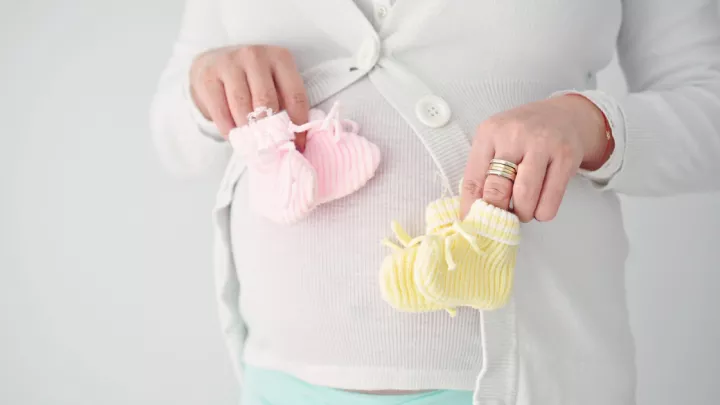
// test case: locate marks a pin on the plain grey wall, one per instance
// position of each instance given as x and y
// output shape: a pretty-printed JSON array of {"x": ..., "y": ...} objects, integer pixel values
[{"x": 105, "y": 283}]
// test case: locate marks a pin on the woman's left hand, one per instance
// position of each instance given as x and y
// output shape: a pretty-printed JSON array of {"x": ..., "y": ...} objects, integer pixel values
[{"x": 549, "y": 140}]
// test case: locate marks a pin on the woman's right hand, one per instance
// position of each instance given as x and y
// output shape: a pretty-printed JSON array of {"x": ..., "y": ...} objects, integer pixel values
[{"x": 228, "y": 83}]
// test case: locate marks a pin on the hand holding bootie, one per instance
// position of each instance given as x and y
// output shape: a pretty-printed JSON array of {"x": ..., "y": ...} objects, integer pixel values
[
  {"x": 469, "y": 262},
  {"x": 282, "y": 184}
]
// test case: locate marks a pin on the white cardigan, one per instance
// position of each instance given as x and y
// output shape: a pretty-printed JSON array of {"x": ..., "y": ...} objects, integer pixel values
[{"x": 565, "y": 338}]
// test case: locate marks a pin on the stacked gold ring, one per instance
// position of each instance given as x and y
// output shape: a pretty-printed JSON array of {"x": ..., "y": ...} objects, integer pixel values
[{"x": 503, "y": 168}]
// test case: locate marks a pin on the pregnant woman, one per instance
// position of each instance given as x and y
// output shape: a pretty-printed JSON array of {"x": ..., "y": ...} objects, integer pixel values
[{"x": 442, "y": 88}]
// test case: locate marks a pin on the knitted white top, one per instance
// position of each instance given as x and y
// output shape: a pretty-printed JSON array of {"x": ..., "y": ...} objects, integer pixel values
[{"x": 308, "y": 295}]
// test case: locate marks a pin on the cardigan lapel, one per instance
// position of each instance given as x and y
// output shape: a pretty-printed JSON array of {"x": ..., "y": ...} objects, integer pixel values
[
  {"x": 342, "y": 20},
  {"x": 407, "y": 19},
  {"x": 345, "y": 24}
]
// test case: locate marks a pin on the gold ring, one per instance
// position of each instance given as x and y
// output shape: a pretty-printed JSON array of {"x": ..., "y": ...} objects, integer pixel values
[
  {"x": 506, "y": 175},
  {"x": 504, "y": 163},
  {"x": 501, "y": 168}
]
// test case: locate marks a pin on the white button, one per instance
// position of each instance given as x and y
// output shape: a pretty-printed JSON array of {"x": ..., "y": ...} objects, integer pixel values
[
  {"x": 368, "y": 54},
  {"x": 433, "y": 111},
  {"x": 382, "y": 12}
]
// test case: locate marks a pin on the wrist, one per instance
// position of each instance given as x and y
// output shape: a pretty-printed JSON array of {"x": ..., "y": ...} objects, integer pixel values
[{"x": 598, "y": 141}]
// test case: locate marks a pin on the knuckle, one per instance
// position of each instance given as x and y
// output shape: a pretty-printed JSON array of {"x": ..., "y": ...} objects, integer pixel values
[
  {"x": 495, "y": 193},
  {"x": 226, "y": 58},
  {"x": 479, "y": 137},
  {"x": 565, "y": 150},
  {"x": 298, "y": 99},
  {"x": 542, "y": 141},
  {"x": 205, "y": 58},
  {"x": 220, "y": 61},
  {"x": 488, "y": 127},
  {"x": 510, "y": 127},
  {"x": 208, "y": 78},
  {"x": 515, "y": 125},
  {"x": 472, "y": 187},
  {"x": 506, "y": 131},
  {"x": 237, "y": 58},
  {"x": 497, "y": 188},
  {"x": 267, "y": 97},
  {"x": 282, "y": 54},
  {"x": 254, "y": 49},
  {"x": 251, "y": 53},
  {"x": 204, "y": 71},
  {"x": 241, "y": 97}
]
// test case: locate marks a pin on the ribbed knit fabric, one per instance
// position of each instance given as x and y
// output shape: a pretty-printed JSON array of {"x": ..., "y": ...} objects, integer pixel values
[
  {"x": 282, "y": 183},
  {"x": 472, "y": 263},
  {"x": 456, "y": 263},
  {"x": 397, "y": 283},
  {"x": 441, "y": 213},
  {"x": 304, "y": 299},
  {"x": 285, "y": 185},
  {"x": 343, "y": 160}
]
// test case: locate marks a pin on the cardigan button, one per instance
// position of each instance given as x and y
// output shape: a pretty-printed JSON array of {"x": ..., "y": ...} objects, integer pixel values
[
  {"x": 433, "y": 111},
  {"x": 368, "y": 54},
  {"x": 382, "y": 12}
]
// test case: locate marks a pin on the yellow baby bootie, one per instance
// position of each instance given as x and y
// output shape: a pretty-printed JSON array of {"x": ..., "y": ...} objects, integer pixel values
[
  {"x": 397, "y": 281},
  {"x": 469, "y": 262}
]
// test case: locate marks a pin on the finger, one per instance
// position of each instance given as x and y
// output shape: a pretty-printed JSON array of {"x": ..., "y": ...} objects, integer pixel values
[
  {"x": 292, "y": 95},
  {"x": 497, "y": 191},
  {"x": 238, "y": 96},
  {"x": 213, "y": 97},
  {"x": 475, "y": 172},
  {"x": 260, "y": 81},
  {"x": 558, "y": 176},
  {"x": 528, "y": 185}
]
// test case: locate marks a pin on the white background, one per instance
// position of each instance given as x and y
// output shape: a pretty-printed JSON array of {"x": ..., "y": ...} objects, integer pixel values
[{"x": 105, "y": 284}]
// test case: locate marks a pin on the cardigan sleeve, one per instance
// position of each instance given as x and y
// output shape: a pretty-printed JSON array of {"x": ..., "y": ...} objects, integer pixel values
[
  {"x": 667, "y": 129},
  {"x": 187, "y": 143}
]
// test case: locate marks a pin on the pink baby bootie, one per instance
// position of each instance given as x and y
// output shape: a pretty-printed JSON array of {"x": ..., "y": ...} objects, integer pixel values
[
  {"x": 343, "y": 160},
  {"x": 282, "y": 184}
]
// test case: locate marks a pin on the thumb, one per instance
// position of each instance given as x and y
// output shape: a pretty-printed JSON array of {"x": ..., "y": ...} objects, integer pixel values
[{"x": 299, "y": 115}]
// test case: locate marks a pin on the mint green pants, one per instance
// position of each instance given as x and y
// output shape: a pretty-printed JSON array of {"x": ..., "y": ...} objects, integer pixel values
[{"x": 266, "y": 387}]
